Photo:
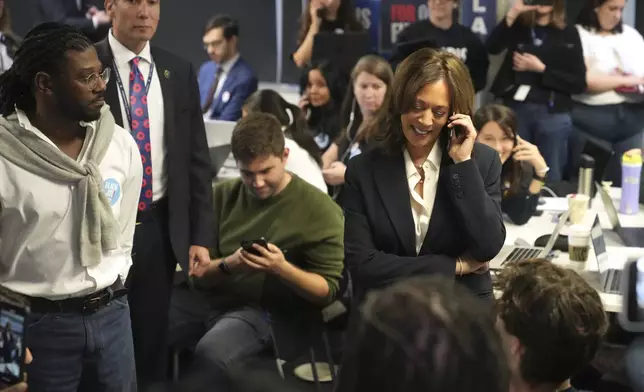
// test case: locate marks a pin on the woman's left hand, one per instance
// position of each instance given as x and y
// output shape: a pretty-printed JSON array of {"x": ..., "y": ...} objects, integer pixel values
[
  {"x": 334, "y": 174},
  {"x": 461, "y": 146},
  {"x": 527, "y": 62},
  {"x": 528, "y": 152}
]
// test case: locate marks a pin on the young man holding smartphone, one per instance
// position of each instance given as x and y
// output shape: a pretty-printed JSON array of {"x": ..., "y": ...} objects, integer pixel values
[{"x": 279, "y": 248}]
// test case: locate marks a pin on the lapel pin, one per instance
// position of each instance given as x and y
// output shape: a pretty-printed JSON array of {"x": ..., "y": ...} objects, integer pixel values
[{"x": 166, "y": 73}]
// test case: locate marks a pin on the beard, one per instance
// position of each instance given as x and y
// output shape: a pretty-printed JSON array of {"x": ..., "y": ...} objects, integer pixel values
[{"x": 78, "y": 110}]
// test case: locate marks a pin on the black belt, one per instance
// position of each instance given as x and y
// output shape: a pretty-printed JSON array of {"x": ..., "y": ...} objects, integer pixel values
[
  {"x": 156, "y": 208},
  {"x": 85, "y": 305}
]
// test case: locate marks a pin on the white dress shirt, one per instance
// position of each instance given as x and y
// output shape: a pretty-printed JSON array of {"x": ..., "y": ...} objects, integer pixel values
[
  {"x": 606, "y": 53},
  {"x": 122, "y": 57},
  {"x": 226, "y": 66},
  {"x": 40, "y": 226},
  {"x": 302, "y": 164},
  {"x": 422, "y": 207}
]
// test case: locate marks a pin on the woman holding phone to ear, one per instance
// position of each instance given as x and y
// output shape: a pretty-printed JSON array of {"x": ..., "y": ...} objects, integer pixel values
[
  {"x": 524, "y": 170},
  {"x": 427, "y": 199}
]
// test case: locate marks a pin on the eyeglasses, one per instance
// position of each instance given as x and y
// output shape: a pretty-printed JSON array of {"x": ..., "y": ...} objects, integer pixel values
[{"x": 92, "y": 80}]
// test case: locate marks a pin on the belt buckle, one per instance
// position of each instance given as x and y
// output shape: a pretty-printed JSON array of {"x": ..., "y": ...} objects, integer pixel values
[{"x": 92, "y": 305}]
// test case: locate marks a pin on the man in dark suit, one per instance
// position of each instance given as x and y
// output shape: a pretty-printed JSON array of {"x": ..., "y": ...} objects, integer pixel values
[
  {"x": 226, "y": 80},
  {"x": 81, "y": 14},
  {"x": 154, "y": 94}
]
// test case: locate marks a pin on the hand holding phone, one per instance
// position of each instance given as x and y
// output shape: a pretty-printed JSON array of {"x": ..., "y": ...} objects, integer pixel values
[
  {"x": 14, "y": 309},
  {"x": 248, "y": 245},
  {"x": 462, "y": 137}
]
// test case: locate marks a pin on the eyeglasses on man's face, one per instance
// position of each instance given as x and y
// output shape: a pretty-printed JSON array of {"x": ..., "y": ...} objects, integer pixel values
[{"x": 92, "y": 81}]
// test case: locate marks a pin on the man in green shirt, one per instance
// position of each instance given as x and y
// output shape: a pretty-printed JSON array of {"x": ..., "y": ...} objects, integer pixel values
[{"x": 299, "y": 269}]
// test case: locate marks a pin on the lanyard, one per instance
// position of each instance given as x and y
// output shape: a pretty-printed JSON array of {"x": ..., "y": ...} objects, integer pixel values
[
  {"x": 126, "y": 100},
  {"x": 536, "y": 41}
]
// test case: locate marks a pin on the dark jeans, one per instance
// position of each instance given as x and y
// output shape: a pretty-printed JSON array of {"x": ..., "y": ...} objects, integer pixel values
[
  {"x": 548, "y": 131},
  {"x": 619, "y": 125},
  {"x": 74, "y": 352},
  {"x": 233, "y": 335},
  {"x": 150, "y": 288}
]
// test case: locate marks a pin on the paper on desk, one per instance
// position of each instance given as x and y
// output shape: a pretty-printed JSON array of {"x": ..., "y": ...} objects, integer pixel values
[{"x": 553, "y": 204}]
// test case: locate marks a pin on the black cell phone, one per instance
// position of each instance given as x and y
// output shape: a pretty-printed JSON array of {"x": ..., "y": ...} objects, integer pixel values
[
  {"x": 538, "y": 2},
  {"x": 458, "y": 131},
  {"x": 632, "y": 315},
  {"x": 14, "y": 309},
  {"x": 248, "y": 245}
]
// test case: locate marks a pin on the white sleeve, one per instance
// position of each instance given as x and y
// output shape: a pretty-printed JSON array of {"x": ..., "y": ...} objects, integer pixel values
[{"x": 129, "y": 204}]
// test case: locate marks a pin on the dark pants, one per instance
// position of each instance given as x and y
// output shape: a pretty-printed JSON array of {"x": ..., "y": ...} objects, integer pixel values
[
  {"x": 548, "y": 131},
  {"x": 82, "y": 352},
  {"x": 233, "y": 335},
  {"x": 620, "y": 125},
  {"x": 150, "y": 288}
]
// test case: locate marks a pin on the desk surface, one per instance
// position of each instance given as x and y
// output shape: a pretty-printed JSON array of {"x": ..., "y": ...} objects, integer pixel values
[{"x": 618, "y": 253}]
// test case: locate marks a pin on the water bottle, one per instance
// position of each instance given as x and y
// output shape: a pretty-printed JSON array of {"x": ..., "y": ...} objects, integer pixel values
[
  {"x": 586, "y": 170},
  {"x": 631, "y": 172}
]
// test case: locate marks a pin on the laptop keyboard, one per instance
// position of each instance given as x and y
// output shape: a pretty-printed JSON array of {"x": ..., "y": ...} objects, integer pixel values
[
  {"x": 519, "y": 253},
  {"x": 612, "y": 281}
]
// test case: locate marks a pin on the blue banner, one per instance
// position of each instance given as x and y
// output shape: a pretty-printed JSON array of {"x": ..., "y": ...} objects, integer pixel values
[
  {"x": 385, "y": 19},
  {"x": 479, "y": 16}
]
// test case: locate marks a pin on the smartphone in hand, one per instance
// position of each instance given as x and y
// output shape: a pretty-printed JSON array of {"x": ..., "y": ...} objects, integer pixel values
[
  {"x": 247, "y": 245},
  {"x": 14, "y": 309}
]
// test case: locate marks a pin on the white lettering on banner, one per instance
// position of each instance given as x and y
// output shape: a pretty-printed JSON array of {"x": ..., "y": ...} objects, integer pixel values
[
  {"x": 461, "y": 53},
  {"x": 423, "y": 12},
  {"x": 397, "y": 28},
  {"x": 364, "y": 17},
  {"x": 478, "y": 8},
  {"x": 478, "y": 26}
]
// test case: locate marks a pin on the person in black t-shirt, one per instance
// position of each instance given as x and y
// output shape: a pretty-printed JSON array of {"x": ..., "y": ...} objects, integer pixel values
[
  {"x": 452, "y": 37},
  {"x": 543, "y": 68},
  {"x": 323, "y": 16}
]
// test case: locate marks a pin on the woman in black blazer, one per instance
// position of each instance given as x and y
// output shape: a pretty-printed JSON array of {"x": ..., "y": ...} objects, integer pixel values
[{"x": 454, "y": 225}]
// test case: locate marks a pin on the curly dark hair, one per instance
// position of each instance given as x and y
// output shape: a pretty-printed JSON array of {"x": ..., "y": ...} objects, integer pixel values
[
  {"x": 425, "y": 334},
  {"x": 557, "y": 316}
]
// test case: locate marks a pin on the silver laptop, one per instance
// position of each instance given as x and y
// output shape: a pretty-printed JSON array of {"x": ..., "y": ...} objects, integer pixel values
[
  {"x": 630, "y": 236},
  {"x": 218, "y": 134},
  {"x": 512, "y": 253},
  {"x": 610, "y": 279}
]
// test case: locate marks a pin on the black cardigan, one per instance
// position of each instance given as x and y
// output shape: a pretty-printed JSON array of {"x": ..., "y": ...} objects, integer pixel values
[
  {"x": 561, "y": 52},
  {"x": 520, "y": 205}
]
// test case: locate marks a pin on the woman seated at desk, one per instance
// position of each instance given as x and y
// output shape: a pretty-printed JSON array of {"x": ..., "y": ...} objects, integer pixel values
[
  {"x": 426, "y": 200},
  {"x": 524, "y": 169}
]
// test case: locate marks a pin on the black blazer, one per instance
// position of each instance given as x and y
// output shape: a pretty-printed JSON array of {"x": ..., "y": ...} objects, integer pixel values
[
  {"x": 379, "y": 237},
  {"x": 188, "y": 163}
]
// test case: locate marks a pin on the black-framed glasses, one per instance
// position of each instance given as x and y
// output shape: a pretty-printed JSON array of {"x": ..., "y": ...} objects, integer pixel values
[{"x": 93, "y": 79}]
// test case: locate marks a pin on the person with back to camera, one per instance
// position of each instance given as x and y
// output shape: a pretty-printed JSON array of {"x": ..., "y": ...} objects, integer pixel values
[
  {"x": 542, "y": 69},
  {"x": 368, "y": 92},
  {"x": 427, "y": 200},
  {"x": 323, "y": 16},
  {"x": 304, "y": 155},
  {"x": 524, "y": 170},
  {"x": 424, "y": 335}
]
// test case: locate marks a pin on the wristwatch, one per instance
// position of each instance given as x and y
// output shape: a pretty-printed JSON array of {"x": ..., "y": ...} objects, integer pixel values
[{"x": 224, "y": 267}]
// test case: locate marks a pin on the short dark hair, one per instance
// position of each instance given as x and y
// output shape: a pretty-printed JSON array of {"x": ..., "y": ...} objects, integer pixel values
[
  {"x": 257, "y": 135},
  {"x": 587, "y": 18},
  {"x": 425, "y": 334},
  {"x": 42, "y": 50},
  {"x": 556, "y": 315},
  {"x": 225, "y": 22}
]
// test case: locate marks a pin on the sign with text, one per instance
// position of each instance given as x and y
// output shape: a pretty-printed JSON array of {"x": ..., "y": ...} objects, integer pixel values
[{"x": 479, "y": 16}]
